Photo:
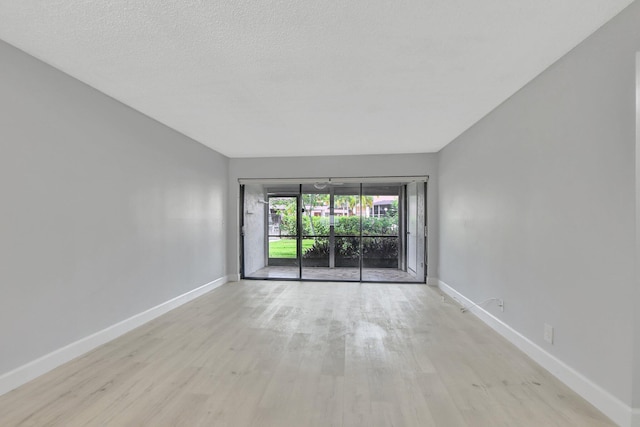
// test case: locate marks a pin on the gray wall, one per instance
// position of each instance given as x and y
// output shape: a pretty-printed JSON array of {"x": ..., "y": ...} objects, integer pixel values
[
  {"x": 330, "y": 166},
  {"x": 104, "y": 212},
  {"x": 636, "y": 376},
  {"x": 537, "y": 206}
]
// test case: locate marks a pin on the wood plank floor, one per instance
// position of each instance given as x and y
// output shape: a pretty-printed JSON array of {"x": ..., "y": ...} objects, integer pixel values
[{"x": 303, "y": 354}]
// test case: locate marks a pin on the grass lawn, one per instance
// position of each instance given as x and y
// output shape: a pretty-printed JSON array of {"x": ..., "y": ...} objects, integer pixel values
[{"x": 286, "y": 248}]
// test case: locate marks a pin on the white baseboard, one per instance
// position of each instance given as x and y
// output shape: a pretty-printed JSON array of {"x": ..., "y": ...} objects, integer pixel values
[
  {"x": 432, "y": 281},
  {"x": 608, "y": 404},
  {"x": 233, "y": 277},
  {"x": 46, "y": 363}
]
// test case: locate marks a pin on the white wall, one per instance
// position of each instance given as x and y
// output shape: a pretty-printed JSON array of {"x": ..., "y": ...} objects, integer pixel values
[
  {"x": 537, "y": 206},
  {"x": 104, "y": 212},
  {"x": 254, "y": 225},
  {"x": 333, "y": 166}
]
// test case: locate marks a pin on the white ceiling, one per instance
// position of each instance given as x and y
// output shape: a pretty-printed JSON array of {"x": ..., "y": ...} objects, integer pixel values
[{"x": 300, "y": 77}]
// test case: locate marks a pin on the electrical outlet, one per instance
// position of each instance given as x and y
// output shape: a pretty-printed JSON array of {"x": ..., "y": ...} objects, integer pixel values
[{"x": 548, "y": 333}]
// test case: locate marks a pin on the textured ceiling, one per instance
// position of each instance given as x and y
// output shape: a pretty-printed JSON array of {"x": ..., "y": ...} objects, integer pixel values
[{"x": 285, "y": 77}]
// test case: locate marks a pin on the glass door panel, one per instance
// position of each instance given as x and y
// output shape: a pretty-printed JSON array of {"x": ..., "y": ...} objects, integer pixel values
[
  {"x": 348, "y": 209},
  {"x": 316, "y": 239},
  {"x": 381, "y": 241},
  {"x": 282, "y": 237}
]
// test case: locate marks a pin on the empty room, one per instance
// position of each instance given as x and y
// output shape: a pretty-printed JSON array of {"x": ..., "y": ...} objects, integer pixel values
[{"x": 301, "y": 213}]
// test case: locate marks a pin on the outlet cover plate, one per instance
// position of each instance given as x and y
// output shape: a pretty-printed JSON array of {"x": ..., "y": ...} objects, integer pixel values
[{"x": 548, "y": 333}]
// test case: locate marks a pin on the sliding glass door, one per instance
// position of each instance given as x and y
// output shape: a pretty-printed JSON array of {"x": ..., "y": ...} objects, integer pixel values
[{"x": 335, "y": 231}]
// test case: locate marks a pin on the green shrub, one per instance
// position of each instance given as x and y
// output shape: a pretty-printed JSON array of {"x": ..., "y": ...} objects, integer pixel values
[
  {"x": 349, "y": 247},
  {"x": 346, "y": 247}
]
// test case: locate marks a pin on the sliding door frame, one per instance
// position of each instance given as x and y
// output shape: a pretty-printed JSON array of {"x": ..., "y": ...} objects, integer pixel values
[{"x": 300, "y": 234}]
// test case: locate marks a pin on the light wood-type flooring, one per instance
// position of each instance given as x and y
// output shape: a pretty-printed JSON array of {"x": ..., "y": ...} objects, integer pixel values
[{"x": 256, "y": 353}]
